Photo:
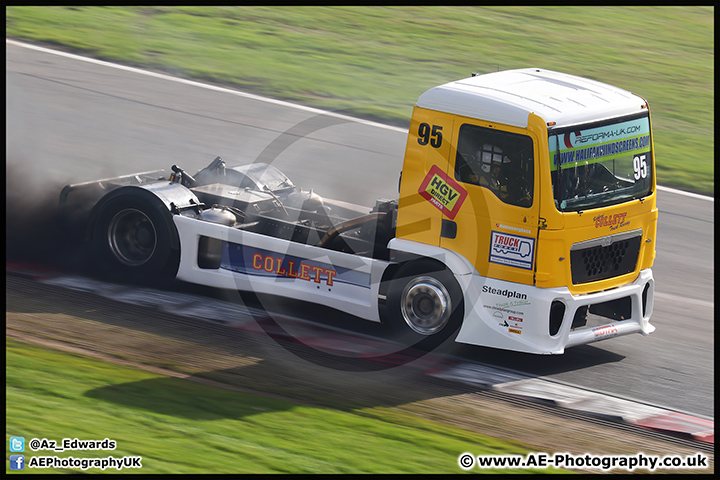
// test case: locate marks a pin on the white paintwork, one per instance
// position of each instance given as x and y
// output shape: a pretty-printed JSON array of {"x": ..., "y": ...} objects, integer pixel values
[
  {"x": 485, "y": 312},
  {"x": 355, "y": 299},
  {"x": 485, "y": 309},
  {"x": 508, "y": 97},
  {"x": 457, "y": 264}
]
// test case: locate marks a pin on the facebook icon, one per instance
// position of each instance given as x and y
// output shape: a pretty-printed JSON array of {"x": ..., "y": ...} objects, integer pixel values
[{"x": 17, "y": 462}]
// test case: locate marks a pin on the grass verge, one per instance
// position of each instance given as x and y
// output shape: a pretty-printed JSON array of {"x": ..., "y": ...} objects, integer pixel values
[
  {"x": 375, "y": 61},
  {"x": 179, "y": 426}
]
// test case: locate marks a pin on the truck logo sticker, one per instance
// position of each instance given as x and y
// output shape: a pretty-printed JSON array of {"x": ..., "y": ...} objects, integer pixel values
[
  {"x": 512, "y": 250},
  {"x": 443, "y": 192}
]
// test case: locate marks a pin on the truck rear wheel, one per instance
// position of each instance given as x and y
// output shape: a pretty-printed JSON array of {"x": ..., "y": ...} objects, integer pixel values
[
  {"x": 424, "y": 303},
  {"x": 131, "y": 240}
]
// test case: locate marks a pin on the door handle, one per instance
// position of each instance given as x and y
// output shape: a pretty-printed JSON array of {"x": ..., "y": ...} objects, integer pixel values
[{"x": 448, "y": 229}]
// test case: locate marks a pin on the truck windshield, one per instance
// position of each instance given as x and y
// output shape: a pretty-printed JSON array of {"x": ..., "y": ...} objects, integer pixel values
[{"x": 600, "y": 164}]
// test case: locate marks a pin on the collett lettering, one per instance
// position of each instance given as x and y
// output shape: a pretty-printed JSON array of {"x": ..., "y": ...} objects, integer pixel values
[
  {"x": 612, "y": 221},
  {"x": 303, "y": 271}
]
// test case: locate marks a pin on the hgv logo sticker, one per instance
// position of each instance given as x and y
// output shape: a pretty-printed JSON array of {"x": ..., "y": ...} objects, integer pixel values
[{"x": 443, "y": 192}]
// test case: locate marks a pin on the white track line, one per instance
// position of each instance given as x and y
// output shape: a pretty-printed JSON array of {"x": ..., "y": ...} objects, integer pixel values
[
  {"x": 687, "y": 194},
  {"x": 679, "y": 299},
  {"x": 202, "y": 85},
  {"x": 256, "y": 97}
]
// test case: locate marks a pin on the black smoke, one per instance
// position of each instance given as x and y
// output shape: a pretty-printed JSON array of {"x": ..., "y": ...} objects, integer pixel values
[{"x": 37, "y": 231}]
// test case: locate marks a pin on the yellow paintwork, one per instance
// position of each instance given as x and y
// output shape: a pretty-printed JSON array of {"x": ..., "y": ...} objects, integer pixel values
[
  {"x": 483, "y": 212},
  {"x": 565, "y": 229},
  {"x": 418, "y": 220},
  {"x": 553, "y": 232},
  {"x": 553, "y": 261}
]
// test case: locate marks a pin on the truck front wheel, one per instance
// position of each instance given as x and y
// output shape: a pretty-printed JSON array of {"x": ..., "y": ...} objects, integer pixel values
[{"x": 425, "y": 303}]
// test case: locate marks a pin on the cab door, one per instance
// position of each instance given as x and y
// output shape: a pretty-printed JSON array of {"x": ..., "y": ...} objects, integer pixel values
[
  {"x": 496, "y": 226},
  {"x": 425, "y": 196}
]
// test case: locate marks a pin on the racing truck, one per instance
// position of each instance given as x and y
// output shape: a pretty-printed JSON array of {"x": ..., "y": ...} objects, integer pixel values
[{"x": 526, "y": 220}]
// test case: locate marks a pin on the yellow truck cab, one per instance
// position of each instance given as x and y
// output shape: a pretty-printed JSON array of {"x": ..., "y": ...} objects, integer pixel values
[{"x": 537, "y": 190}]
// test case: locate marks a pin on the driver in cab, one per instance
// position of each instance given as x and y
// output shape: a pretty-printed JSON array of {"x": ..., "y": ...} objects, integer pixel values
[{"x": 489, "y": 167}]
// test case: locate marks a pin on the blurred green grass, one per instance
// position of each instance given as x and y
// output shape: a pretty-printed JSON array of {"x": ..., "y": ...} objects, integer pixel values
[
  {"x": 179, "y": 426},
  {"x": 374, "y": 62}
]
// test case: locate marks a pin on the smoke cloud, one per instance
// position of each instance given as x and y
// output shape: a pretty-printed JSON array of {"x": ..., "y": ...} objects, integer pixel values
[{"x": 35, "y": 230}]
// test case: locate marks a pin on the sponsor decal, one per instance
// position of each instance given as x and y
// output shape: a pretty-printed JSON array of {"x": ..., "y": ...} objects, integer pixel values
[
  {"x": 513, "y": 303},
  {"x": 613, "y": 221},
  {"x": 511, "y": 328},
  {"x": 443, "y": 192},
  {"x": 601, "y": 143},
  {"x": 515, "y": 325},
  {"x": 506, "y": 311},
  {"x": 263, "y": 263},
  {"x": 503, "y": 293},
  {"x": 571, "y": 138},
  {"x": 512, "y": 250},
  {"x": 517, "y": 229},
  {"x": 509, "y": 312},
  {"x": 599, "y": 153},
  {"x": 303, "y": 271},
  {"x": 605, "y": 331},
  {"x": 502, "y": 309}
]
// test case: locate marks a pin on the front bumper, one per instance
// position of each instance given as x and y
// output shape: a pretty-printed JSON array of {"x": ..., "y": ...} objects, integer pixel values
[{"x": 540, "y": 320}]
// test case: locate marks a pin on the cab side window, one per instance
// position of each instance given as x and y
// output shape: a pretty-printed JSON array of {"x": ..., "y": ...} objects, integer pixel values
[{"x": 500, "y": 161}]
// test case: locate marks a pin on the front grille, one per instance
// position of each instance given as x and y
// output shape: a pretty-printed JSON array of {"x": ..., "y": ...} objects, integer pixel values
[{"x": 605, "y": 257}]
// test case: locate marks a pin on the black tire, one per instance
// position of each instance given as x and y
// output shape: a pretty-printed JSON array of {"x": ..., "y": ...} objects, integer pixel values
[
  {"x": 134, "y": 239},
  {"x": 425, "y": 304}
]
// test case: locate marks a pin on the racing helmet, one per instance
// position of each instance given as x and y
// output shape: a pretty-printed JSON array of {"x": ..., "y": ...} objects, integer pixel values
[{"x": 490, "y": 156}]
